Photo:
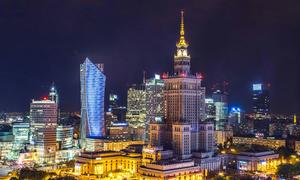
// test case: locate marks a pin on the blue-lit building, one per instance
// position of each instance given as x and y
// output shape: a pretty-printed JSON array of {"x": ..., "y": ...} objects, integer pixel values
[
  {"x": 236, "y": 116},
  {"x": 92, "y": 82},
  {"x": 261, "y": 101}
]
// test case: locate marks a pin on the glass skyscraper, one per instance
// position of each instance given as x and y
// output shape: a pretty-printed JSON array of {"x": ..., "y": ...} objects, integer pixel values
[
  {"x": 261, "y": 100},
  {"x": 92, "y": 82}
]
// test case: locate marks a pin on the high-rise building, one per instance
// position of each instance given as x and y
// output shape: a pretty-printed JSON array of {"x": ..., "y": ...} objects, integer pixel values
[
  {"x": 43, "y": 117},
  {"x": 64, "y": 136},
  {"x": 184, "y": 97},
  {"x": 92, "y": 82},
  {"x": 154, "y": 101},
  {"x": 221, "y": 104},
  {"x": 236, "y": 116},
  {"x": 210, "y": 109},
  {"x": 261, "y": 100},
  {"x": 136, "y": 106},
  {"x": 118, "y": 112}
]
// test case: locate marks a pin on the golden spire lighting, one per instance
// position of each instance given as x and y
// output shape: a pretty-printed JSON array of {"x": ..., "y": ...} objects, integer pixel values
[
  {"x": 182, "y": 42},
  {"x": 295, "y": 119}
]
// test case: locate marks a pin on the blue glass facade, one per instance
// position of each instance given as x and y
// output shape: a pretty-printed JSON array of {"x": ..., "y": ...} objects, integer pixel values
[{"x": 92, "y": 82}]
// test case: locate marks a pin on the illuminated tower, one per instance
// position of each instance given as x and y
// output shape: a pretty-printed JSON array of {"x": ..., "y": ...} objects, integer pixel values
[
  {"x": 92, "y": 82},
  {"x": 184, "y": 97},
  {"x": 182, "y": 59}
]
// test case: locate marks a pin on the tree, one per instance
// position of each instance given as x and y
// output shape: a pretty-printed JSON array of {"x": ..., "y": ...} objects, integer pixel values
[
  {"x": 285, "y": 152},
  {"x": 32, "y": 174},
  {"x": 286, "y": 170}
]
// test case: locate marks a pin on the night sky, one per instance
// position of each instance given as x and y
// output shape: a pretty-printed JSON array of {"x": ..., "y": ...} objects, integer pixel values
[{"x": 239, "y": 41}]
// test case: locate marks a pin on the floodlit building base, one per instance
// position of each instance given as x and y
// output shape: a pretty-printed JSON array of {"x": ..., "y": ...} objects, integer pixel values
[
  {"x": 256, "y": 161},
  {"x": 171, "y": 170},
  {"x": 101, "y": 164}
]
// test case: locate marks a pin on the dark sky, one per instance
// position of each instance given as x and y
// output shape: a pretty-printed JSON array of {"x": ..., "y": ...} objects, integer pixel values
[{"x": 239, "y": 41}]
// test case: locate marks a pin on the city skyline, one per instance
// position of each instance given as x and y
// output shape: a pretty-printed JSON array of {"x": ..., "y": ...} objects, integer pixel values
[{"x": 54, "y": 56}]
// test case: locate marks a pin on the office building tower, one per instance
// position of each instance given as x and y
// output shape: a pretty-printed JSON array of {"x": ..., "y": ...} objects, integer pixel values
[
  {"x": 154, "y": 101},
  {"x": 92, "y": 82},
  {"x": 207, "y": 141},
  {"x": 43, "y": 118},
  {"x": 64, "y": 136},
  {"x": 236, "y": 116},
  {"x": 136, "y": 106},
  {"x": 210, "y": 109},
  {"x": 118, "y": 112},
  {"x": 181, "y": 133},
  {"x": 221, "y": 104},
  {"x": 261, "y": 101},
  {"x": 184, "y": 97},
  {"x": 113, "y": 101}
]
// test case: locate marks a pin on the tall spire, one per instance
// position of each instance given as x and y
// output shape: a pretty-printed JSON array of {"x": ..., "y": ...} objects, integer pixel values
[{"x": 182, "y": 42}]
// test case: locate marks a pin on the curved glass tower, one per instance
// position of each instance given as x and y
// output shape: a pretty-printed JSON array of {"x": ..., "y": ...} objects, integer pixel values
[{"x": 92, "y": 82}]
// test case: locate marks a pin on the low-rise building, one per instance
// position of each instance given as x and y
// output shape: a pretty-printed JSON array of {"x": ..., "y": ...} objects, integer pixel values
[
  {"x": 101, "y": 164},
  {"x": 256, "y": 161},
  {"x": 184, "y": 169},
  {"x": 269, "y": 142},
  {"x": 208, "y": 161}
]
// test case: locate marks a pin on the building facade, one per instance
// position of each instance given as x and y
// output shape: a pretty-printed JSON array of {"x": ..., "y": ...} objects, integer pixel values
[
  {"x": 181, "y": 133},
  {"x": 92, "y": 82},
  {"x": 154, "y": 101},
  {"x": 43, "y": 117},
  {"x": 102, "y": 164},
  {"x": 171, "y": 170},
  {"x": 271, "y": 143},
  {"x": 261, "y": 100},
  {"x": 221, "y": 104},
  {"x": 210, "y": 109},
  {"x": 21, "y": 132},
  {"x": 136, "y": 106},
  {"x": 64, "y": 136},
  {"x": 207, "y": 140}
]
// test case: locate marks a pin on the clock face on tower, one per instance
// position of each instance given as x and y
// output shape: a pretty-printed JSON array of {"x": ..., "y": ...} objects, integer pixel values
[{"x": 182, "y": 52}]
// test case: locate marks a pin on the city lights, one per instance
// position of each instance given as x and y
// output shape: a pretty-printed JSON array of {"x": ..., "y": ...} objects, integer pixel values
[{"x": 126, "y": 122}]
